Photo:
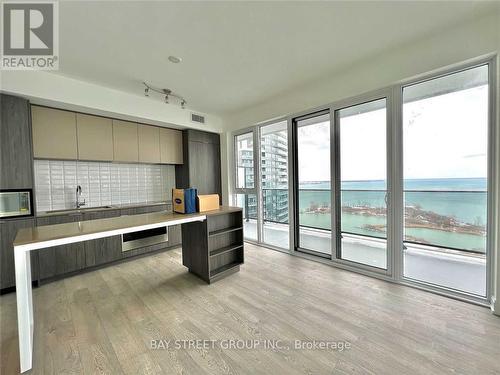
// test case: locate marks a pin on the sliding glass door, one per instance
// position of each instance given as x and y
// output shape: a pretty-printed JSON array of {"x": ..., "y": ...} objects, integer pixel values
[
  {"x": 313, "y": 184},
  {"x": 445, "y": 149},
  {"x": 361, "y": 175},
  {"x": 246, "y": 192}
]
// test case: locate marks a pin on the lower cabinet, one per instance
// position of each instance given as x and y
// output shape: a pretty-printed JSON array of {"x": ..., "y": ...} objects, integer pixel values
[
  {"x": 103, "y": 250},
  {"x": 145, "y": 210},
  {"x": 59, "y": 260},
  {"x": 8, "y": 231},
  {"x": 174, "y": 235},
  {"x": 214, "y": 248}
]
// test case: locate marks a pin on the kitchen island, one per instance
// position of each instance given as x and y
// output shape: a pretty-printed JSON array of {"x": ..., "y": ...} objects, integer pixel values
[{"x": 211, "y": 250}]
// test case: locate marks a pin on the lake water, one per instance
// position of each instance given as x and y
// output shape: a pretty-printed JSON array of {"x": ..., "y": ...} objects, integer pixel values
[{"x": 462, "y": 199}]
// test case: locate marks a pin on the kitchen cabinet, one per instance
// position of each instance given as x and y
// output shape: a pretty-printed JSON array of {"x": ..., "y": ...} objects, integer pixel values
[
  {"x": 146, "y": 209},
  {"x": 129, "y": 211},
  {"x": 59, "y": 260},
  {"x": 214, "y": 248},
  {"x": 16, "y": 157},
  {"x": 67, "y": 135},
  {"x": 155, "y": 208},
  {"x": 201, "y": 168},
  {"x": 95, "y": 137},
  {"x": 174, "y": 235},
  {"x": 149, "y": 144},
  {"x": 102, "y": 250},
  {"x": 170, "y": 146},
  {"x": 54, "y": 133},
  {"x": 8, "y": 231},
  {"x": 125, "y": 141}
]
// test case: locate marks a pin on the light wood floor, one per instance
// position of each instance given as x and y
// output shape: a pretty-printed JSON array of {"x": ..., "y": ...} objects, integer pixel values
[{"x": 103, "y": 322}]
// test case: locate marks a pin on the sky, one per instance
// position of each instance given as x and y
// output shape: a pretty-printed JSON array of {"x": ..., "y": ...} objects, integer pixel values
[{"x": 444, "y": 136}]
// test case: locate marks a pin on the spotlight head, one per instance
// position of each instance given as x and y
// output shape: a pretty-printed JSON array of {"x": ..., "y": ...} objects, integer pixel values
[
  {"x": 166, "y": 99},
  {"x": 183, "y": 104},
  {"x": 146, "y": 91}
]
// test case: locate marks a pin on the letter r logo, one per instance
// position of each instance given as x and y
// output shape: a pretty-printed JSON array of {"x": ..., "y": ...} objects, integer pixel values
[{"x": 28, "y": 29}]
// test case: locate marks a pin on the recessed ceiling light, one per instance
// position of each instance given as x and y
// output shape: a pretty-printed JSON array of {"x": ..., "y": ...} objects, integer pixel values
[{"x": 174, "y": 59}]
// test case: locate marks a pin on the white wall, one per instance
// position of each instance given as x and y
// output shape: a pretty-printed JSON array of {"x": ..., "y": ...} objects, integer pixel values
[
  {"x": 68, "y": 93},
  {"x": 454, "y": 45},
  {"x": 446, "y": 48}
]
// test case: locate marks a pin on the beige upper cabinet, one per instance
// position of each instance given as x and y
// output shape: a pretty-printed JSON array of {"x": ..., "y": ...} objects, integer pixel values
[
  {"x": 95, "y": 137},
  {"x": 149, "y": 144},
  {"x": 54, "y": 133},
  {"x": 170, "y": 146},
  {"x": 59, "y": 134},
  {"x": 125, "y": 141}
]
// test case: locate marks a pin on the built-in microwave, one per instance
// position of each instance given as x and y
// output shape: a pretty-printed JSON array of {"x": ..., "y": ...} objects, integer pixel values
[{"x": 16, "y": 203}]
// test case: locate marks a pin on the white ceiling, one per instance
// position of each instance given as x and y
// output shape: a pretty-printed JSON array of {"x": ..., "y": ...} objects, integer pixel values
[{"x": 237, "y": 54}]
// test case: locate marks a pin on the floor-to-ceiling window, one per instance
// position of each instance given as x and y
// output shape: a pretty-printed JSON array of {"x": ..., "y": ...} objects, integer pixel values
[
  {"x": 394, "y": 182},
  {"x": 445, "y": 149},
  {"x": 313, "y": 188},
  {"x": 274, "y": 184},
  {"x": 261, "y": 183},
  {"x": 361, "y": 169}
]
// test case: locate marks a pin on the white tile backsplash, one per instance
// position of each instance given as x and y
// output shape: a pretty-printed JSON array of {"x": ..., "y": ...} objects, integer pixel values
[{"x": 102, "y": 183}]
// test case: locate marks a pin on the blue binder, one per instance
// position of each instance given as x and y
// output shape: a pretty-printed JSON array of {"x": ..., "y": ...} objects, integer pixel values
[{"x": 190, "y": 200}]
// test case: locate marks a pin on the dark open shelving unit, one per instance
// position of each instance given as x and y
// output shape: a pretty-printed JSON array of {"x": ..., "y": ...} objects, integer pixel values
[
  {"x": 225, "y": 249},
  {"x": 214, "y": 248},
  {"x": 224, "y": 231}
]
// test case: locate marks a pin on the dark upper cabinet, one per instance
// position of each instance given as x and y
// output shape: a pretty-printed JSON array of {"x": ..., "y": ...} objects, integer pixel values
[
  {"x": 8, "y": 231},
  {"x": 16, "y": 156},
  {"x": 201, "y": 168}
]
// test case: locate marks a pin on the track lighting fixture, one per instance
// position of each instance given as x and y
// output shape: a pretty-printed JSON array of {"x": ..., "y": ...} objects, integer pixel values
[{"x": 166, "y": 92}]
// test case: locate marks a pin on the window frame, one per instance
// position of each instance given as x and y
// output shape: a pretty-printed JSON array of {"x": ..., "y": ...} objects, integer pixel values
[
  {"x": 492, "y": 185},
  {"x": 395, "y": 206},
  {"x": 335, "y": 110}
]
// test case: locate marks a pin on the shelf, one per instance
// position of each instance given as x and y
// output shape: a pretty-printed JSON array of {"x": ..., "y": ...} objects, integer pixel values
[
  {"x": 223, "y": 269},
  {"x": 225, "y": 249},
  {"x": 225, "y": 230}
]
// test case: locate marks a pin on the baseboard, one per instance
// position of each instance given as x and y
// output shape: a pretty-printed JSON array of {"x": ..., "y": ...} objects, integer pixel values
[{"x": 12, "y": 289}]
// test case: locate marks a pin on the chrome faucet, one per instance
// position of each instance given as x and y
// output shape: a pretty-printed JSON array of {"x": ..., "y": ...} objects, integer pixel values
[{"x": 78, "y": 195}]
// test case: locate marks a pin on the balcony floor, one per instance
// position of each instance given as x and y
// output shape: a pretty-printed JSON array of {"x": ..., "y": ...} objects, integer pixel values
[{"x": 461, "y": 272}]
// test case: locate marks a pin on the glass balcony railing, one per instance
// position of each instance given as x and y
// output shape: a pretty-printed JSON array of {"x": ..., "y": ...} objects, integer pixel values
[{"x": 448, "y": 219}]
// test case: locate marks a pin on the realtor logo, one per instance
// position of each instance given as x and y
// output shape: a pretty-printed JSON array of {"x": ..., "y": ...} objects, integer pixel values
[{"x": 30, "y": 35}]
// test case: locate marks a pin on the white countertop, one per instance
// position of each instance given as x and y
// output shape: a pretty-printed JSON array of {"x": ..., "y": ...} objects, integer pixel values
[{"x": 60, "y": 234}]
